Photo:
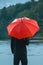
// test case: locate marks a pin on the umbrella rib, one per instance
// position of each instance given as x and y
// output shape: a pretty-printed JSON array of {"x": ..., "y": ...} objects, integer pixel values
[
  {"x": 27, "y": 27},
  {"x": 15, "y": 26},
  {"x": 32, "y": 24}
]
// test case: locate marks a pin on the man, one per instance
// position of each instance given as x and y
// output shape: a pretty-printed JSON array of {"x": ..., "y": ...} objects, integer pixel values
[{"x": 18, "y": 48}]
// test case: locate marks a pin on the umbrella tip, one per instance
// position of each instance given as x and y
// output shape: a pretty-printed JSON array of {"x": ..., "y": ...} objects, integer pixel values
[
  {"x": 21, "y": 20},
  {"x": 26, "y": 18}
]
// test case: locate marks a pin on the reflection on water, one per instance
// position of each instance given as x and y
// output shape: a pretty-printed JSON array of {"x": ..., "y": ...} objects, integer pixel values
[
  {"x": 34, "y": 54},
  {"x": 35, "y": 49}
]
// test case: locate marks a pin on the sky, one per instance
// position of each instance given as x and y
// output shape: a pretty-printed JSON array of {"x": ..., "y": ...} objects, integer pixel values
[{"x": 6, "y": 3}]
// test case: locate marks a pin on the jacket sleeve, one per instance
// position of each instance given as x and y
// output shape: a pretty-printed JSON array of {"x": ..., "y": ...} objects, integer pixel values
[
  {"x": 26, "y": 41},
  {"x": 12, "y": 44}
]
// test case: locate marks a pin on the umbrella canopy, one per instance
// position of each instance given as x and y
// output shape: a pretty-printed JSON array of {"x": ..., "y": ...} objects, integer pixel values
[{"x": 22, "y": 28}]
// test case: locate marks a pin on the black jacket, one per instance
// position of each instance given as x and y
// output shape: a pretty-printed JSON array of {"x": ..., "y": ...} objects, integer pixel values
[{"x": 19, "y": 46}]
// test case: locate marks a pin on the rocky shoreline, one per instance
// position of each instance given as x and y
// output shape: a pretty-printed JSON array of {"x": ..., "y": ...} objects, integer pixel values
[
  {"x": 36, "y": 41},
  {"x": 32, "y": 40}
]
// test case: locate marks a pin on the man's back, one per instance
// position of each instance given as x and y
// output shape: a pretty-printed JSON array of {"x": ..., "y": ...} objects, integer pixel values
[{"x": 19, "y": 45}]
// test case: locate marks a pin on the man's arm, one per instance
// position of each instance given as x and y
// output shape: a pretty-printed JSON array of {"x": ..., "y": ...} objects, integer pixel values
[
  {"x": 27, "y": 41},
  {"x": 12, "y": 44}
]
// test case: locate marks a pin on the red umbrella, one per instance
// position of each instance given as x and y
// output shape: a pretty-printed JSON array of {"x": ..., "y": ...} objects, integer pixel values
[{"x": 22, "y": 28}]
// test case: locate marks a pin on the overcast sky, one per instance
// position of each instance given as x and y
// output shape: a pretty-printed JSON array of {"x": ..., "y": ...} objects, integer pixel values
[{"x": 11, "y": 2}]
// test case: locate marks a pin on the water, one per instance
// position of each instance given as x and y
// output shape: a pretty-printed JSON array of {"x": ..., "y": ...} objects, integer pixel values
[{"x": 34, "y": 54}]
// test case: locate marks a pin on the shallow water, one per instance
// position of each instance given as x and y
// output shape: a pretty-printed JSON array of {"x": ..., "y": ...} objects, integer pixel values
[{"x": 34, "y": 54}]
